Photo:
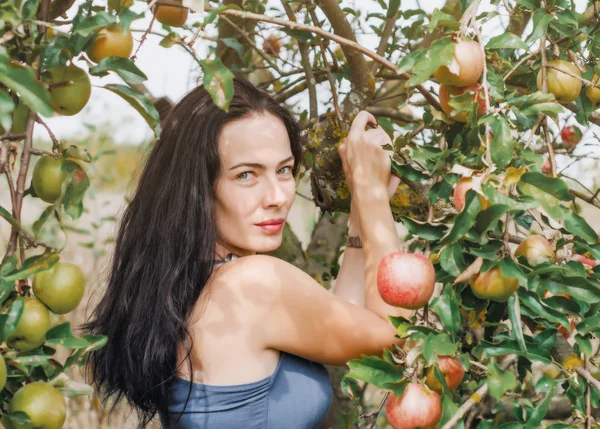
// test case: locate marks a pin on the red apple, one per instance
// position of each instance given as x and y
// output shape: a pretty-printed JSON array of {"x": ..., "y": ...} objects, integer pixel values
[
  {"x": 537, "y": 250},
  {"x": 418, "y": 407},
  {"x": 406, "y": 279},
  {"x": 570, "y": 136},
  {"x": 448, "y": 91},
  {"x": 460, "y": 193},
  {"x": 451, "y": 369},
  {"x": 469, "y": 59}
]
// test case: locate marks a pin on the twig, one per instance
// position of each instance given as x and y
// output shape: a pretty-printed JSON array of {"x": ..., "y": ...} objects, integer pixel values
[
  {"x": 477, "y": 396},
  {"x": 336, "y": 105},
  {"x": 327, "y": 35},
  {"x": 533, "y": 130},
  {"x": 385, "y": 35},
  {"x": 6, "y": 37},
  {"x": 511, "y": 238},
  {"x": 308, "y": 71},
  {"x": 389, "y": 112},
  {"x": 589, "y": 378},
  {"x": 144, "y": 37},
  {"x": 251, "y": 42},
  {"x": 544, "y": 122},
  {"x": 376, "y": 411},
  {"x": 55, "y": 142}
]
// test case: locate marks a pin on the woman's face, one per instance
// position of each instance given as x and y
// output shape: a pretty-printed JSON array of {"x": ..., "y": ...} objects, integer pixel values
[{"x": 255, "y": 184}]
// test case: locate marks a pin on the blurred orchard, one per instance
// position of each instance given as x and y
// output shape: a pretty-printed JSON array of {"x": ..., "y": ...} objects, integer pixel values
[{"x": 492, "y": 111}]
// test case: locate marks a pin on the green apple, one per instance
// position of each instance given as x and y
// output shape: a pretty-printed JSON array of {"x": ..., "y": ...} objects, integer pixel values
[
  {"x": 48, "y": 177},
  {"x": 30, "y": 332},
  {"x": 61, "y": 287},
  {"x": 70, "y": 89},
  {"x": 44, "y": 404}
]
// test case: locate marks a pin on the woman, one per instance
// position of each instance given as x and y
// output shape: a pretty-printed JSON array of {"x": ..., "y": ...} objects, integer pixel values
[{"x": 201, "y": 328}]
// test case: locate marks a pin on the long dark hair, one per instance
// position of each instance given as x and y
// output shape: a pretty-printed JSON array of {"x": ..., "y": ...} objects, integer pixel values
[{"x": 164, "y": 250}]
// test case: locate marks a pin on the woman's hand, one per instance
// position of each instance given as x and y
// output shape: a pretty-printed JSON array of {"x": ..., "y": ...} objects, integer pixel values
[{"x": 363, "y": 159}]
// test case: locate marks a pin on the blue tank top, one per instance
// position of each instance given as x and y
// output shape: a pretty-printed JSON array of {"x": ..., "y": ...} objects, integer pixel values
[{"x": 296, "y": 396}]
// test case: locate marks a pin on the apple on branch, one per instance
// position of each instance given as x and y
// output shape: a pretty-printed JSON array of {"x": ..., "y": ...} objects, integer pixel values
[
  {"x": 405, "y": 279},
  {"x": 418, "y": 407}
]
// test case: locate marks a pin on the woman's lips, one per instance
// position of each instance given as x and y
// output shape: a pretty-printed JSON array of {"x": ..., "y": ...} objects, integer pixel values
[{"x": 273, "y": 228}]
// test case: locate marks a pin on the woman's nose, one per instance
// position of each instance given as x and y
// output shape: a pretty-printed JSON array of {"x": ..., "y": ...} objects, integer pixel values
[{"x": 275, "y": 194}]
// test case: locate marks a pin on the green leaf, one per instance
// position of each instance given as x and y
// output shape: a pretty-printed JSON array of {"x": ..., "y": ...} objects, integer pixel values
[
  {"x": 14, "y": 314},
  {"x": 500, "y": 382},
  {"x": 585, "y": 344},
  {"x": 139, "y": 103},
  {"x": 350, "y": 388},
  {"x": 579, "y": 289},
  {"x": 514, "y": 314},
  {"x": 441, "y": 19},
  {"x": 92, "y": 23},
  {"x": 72, "y": 389},
  {"x": 377, "y": 372},
  {"x": 94, "y": 342},
  {"x": 29, "y": 9},
  {"x": 424, "y": 230},
  {"x": 218, "y": 81},
  {"x": 534, "y": 352},
  {"x": 506, "y": 41},
  {"x": 540, "y": 410},
  {"x": 408, "y": 172},
  {"x": 511, "y": 269},
  {"x": 533, "y": 303},
  {"x": 502, "y": 145},
  {"x": 438, "y": 345},
  {"x": 78, "y": 184},
  {"x": 550, "y": 185},
  {"x": 393, "y": 8},
  {"x": 21, "y": 79},
  {"x": 124, "y": 67},
  {"x": 488, "y": 219},
  {"x": 33, "y": 265},
  {"x": 589, "y": 325},
  {"x": 465, "y": 219},
  {"x": 452, "y": 261},
  {"x": 62, "y": 334},
  {"x": 446, "y": 307},
  {"x": 440, "y": 54},
  {"x": 540, "y": 24}
]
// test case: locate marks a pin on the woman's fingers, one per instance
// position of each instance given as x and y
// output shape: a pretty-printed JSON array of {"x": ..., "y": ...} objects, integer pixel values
[{"x": 359, "y": 123}]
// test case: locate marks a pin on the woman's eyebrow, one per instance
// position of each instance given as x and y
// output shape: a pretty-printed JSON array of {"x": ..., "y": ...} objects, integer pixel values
[{"x": 257, "y": 165}]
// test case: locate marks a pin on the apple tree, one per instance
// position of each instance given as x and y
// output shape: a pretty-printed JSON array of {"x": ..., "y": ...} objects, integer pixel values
[{"x": 507, "y": 335}]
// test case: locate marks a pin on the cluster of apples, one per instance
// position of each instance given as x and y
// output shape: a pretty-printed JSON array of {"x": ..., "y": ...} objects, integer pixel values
[
  {"x": 70, "y": 87},
  {"x": 412, "y": 292},
  {"x": 419, "y": 405},
  {"x": 59, "y": 290},
  {"x": 460, "y": 76}
]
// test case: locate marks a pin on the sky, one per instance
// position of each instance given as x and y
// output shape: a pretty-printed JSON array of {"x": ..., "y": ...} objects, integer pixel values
[{"x": 172, "y": 72}]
